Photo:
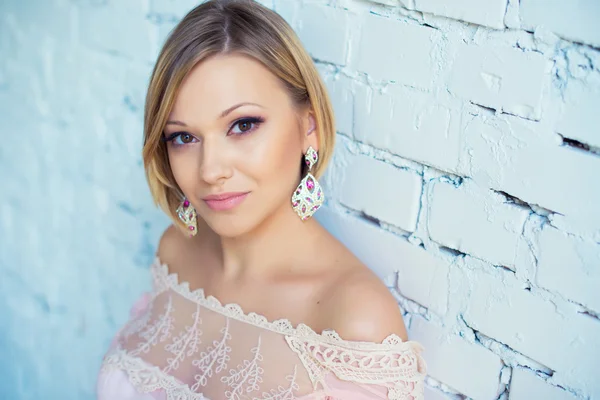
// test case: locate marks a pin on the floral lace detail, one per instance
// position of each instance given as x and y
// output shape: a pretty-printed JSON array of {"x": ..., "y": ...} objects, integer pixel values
[
  {"x": 395, "y": 365},
  {"x": 138, "y": 323},
  {"x": 282, "y": 393},
  {"x": 217, "y": 353},
  {"x": 186, "y": 343},
  {"x": 249, "y": 372},
  {"x": 163, "y": 280},
  {"x": 197, "y": 359},
  {"x": 147, "y": 378},
  {"x": 157, "y": 331}
]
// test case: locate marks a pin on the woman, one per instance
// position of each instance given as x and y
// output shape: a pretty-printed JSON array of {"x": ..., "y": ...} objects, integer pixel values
[{"x": 238, "y": 127}]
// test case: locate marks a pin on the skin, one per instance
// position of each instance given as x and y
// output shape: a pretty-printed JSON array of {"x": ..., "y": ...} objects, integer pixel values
[{"x": 261, "y": 254}]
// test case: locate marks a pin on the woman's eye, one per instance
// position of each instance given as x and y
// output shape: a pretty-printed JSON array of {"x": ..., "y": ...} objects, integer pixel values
[
  {"x": 180, "y": 138},
  {"x": 246, "y": 125},
  {"x": 184, "y": 138}
]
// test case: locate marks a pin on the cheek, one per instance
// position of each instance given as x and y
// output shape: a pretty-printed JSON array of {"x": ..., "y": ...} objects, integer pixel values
[
  {"x": 275, "y": 158},
  {"x": 181, "y": 163}
]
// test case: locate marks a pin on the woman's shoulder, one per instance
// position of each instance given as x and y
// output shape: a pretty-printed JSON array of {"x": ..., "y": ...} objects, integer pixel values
[
  {"x": 362, "y": 308},
  {"x": 179, "y": 251},
  {"x": 359, "y": 305},
  {"x": 171, "y": 244}
]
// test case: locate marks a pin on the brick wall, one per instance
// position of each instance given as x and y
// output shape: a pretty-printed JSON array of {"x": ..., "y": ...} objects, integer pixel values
[{"x": 467, "y": 175}]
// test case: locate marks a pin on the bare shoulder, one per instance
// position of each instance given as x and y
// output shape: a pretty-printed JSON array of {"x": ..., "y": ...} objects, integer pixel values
[
  {"x": 171, "y": 244},
  {"x": 190, "y": 258},
  {"x": 362, "y": 308},
  {"x": 181, "y": 252}
]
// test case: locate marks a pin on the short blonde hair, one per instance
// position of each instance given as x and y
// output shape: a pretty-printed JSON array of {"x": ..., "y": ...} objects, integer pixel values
[{"x": 226, "y": 27}]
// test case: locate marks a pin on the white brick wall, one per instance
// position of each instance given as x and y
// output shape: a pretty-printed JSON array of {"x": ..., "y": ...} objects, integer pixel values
[
  {"x": 410, "y": 123},
  {"x": 382, "y": 191},
  {"x": 396, "y": 59},
  {"x": 501, "y": 78},
  {"x": 487, "y": 13},
  {"x": 456, "y": 361},
  {"x": 575, "y": 20},
  {"x": 465, "y": 218},
  {"x": 466, "y": 177},
  {"x": 527, "y": 385}
]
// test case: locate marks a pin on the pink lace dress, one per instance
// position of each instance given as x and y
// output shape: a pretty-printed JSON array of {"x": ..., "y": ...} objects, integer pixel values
[{"x": 183, "y": 345}]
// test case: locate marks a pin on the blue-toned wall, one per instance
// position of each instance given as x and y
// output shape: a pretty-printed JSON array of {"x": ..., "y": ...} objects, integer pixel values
[
  {"x": 466, "y": 175},
  {"x": 78, "y": 227}
]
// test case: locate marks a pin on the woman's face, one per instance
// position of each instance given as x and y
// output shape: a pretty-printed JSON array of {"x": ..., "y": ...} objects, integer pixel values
[{"x": 235, "y": 143}]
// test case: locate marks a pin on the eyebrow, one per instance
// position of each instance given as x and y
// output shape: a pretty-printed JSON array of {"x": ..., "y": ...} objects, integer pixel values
[{"x": 223, "y": 114}]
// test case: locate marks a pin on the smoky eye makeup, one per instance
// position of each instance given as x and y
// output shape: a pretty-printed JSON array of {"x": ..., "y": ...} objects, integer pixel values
[
  {"x": 178, "y": 138},
  {"x": 240, "y": 127},
  {"x": 246, "y": 125}
]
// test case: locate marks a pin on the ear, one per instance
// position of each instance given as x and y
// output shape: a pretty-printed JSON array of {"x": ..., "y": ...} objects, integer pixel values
[{"x": 311, "y": 138}]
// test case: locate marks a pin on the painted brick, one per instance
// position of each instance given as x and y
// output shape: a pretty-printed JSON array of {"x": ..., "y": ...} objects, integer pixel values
[
  {"x": 501, "y": 308},
  {"x": 569, "y": 266},
  {"x": 511, "y": 19},
  {"x": 410, "y": 123},
  {"x": 404, "y": 61},
  {"x": 525, "y": 385},
  {"x": 559, "y": 17},
  {"x": 433, "y": 394},
  {"x": 454, "y": 360},
  {"x": 465, "y": 218},
  {"x": 288, "y": 10},
  {"x": 397, "y": 191},
  {"x": 341, "y": 93},
  {"x": 422, "y": 277},
  {"x": 585, "y": 227},
  {"x": 489, "y": 13},
  {"x": 580, "y": 120},
  {"x": 385, "y": 2},
  {"x": 318, "y": 22},
  {"x": 520, "y": 158},
  {"x": 501, "y": 78}
]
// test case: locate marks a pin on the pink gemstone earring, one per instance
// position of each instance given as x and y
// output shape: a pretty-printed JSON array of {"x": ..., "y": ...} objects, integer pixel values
[
  {"x": 309, "y": 196},
  {"x": 187, "y": 214}
]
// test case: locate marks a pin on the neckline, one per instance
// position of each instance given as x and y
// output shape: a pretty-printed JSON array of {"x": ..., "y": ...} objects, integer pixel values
[{"x": 165, "y": 280}]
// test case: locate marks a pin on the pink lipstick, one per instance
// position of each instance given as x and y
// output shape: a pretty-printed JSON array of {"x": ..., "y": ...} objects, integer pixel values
[{"x": 225, "y": 201}]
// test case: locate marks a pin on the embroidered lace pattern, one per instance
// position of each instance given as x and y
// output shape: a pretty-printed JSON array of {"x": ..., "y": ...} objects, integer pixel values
[{"x": 192, "y": 347}]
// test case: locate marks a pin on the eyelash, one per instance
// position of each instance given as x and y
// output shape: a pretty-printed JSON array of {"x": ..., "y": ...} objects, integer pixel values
[{"x": 252, "y": 120}]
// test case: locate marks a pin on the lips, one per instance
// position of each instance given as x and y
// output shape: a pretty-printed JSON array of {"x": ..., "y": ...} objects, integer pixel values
[{"x": 225, "y": 201}]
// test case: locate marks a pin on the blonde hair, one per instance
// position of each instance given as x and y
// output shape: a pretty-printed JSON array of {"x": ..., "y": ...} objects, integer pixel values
[{"x": 225, "y": 27}]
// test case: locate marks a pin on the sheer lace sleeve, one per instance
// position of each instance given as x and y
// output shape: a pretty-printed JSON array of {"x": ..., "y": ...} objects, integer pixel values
[
  {"x": 181, "y": 344},
  {"x": 135, "y": 311},
  {"x": 392, "y": 370}
]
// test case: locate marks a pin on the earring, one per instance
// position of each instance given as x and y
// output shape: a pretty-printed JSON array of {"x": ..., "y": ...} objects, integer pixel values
[
  {"x": 187, "y": 214},
  {"x": 309, "y": 196}
]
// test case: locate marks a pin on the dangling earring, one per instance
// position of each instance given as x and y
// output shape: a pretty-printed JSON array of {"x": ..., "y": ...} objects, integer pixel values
[
  {"x": 309, "y": 196},
  {"x": 187, "y": 214}
]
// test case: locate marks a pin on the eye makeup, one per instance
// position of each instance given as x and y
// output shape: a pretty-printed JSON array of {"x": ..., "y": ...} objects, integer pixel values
[{"x": 182, "y": 138}]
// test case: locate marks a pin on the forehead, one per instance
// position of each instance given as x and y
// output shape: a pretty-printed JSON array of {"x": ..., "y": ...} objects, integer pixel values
[{"x": 221, "y": 81}]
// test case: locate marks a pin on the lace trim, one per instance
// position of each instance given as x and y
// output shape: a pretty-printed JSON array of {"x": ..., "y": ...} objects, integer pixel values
[
  {"x": 148, "y": 378},
  {"x": 392, "y": 363},
  {"x": 163, "y": 280},
  {"x": 245, "y": 378},
  {"x": 401, "y": 371}
]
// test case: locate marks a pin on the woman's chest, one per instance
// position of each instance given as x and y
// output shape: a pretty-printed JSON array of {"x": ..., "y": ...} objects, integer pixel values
[
  {"x": 298, "y": 299},
  {"x": 205, "y": 350}
]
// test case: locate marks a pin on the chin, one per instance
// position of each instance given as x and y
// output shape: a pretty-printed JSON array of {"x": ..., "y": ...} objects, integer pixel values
[{"x": 230, "y": 225}]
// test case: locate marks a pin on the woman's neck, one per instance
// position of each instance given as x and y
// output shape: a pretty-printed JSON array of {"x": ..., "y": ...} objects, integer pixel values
[{"x": 282, "y": 242}]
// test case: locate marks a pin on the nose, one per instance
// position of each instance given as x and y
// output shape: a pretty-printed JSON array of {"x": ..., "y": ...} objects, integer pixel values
[{"x": 215, "y": 168}]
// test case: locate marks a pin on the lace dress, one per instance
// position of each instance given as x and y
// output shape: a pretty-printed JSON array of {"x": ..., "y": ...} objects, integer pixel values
[{"x": 180, "y": 344}]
